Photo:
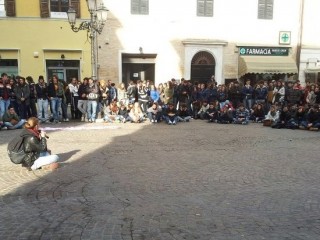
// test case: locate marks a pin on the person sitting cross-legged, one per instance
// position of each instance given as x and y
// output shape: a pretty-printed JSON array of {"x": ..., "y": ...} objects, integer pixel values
[
  {"x": 212, "y": 113},
  {"x": 183, "y": 113},
  {"x": 312, "y": 121},
  {"x": 257, "y": 113},
  {"x": 242, "y": 115},
  {"x": 202, "y": 113},
  {"x": 154, "y": 113},
  {"x": 136, "y": 114},
  {"x": 284, "y": 118},
  {"x": 11, "y": 120},
  {"x": 170, "y": 115}
]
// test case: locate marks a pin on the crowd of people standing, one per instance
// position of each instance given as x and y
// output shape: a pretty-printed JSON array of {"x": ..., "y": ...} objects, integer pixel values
[{"x": 275, "y": 103}]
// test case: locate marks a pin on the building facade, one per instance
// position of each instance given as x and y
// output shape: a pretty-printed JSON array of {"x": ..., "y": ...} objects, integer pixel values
[
  {"x": 159, "y": 40},
  {"x": 36, "y": 39}
]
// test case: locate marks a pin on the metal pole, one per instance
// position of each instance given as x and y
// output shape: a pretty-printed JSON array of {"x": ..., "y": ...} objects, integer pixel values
[
  {"x": 93, "y": 36},
  {"x": 300, "y": 34}
]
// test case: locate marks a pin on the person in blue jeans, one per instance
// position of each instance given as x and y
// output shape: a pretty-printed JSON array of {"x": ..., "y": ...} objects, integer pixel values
[
  {"x": 170, "y": 115},
  {"x": 56, "y": 94},
  {"x": 154, "y": 113},
  {"x": 11, "y": 120},
  {"x": 93, "y": 94}
]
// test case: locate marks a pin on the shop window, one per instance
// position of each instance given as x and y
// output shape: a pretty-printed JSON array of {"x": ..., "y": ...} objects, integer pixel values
[
  {"x": 58, "y": 8},
  {"x": 312, "y": 77},
  {"x": 9, "y": 66},
  {"x": 7, "y": 8},
  {"x": 140, "y": 7},
  {"x": 204, "y": 8},
  {"x": 265, "y": 9}
]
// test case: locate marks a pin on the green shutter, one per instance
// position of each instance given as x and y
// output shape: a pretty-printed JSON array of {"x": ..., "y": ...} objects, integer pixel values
[
  {"x": 265, "y": 9},
  {"x": 135, "y": 6},
  {"x": 209, "y": 8},
  {"x": 76, "y": 6},
  {"x": 44, "y": 8},
  {"x": 140, "y": 7},
  {"x": 200, "y": 8},
  {"x": 144, "y": 7},
  {"x": 269, "y": 9},
  {"x": 205, "y": 8},
  {"x": 10, "y": 6}
]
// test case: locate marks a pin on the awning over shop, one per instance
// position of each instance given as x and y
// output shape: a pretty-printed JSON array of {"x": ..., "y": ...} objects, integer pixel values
[
  {"x": 267, "y": 64},
  {"x": 314, "y": 69}
]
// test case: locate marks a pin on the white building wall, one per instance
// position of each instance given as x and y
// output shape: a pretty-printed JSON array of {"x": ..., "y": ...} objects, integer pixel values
[
  {"x": 172, "y": 21},
  {"x": 310, "y": 52}
]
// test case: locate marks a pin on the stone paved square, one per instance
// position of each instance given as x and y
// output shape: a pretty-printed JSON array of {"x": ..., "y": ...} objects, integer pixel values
[{"x": 190, "y": 181}]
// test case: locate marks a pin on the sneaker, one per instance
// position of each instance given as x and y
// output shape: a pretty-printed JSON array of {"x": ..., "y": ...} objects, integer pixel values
[
  {"x": 66, "y": 120},
  {"x": 314, "y": 129},
  {"x": 4, "y": 128},
  {"x": 82, "y": 119},
  {"x": 155, "y": 121},
  {"x": 169, "y": 122},
  {"x": 152, "y": 120},
  {"x": 174, "y": 123},
  {"x": 90, "y": 121}
]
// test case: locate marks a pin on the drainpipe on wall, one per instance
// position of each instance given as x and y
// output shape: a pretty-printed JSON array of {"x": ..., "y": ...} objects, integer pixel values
[{"x": 300, "y": 35}]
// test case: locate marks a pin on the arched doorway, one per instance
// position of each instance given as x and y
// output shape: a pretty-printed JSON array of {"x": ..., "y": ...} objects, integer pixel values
[{"x": 202, "y": 67}]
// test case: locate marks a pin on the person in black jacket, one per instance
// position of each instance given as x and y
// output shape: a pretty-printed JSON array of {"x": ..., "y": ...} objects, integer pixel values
[
  {"x": 82, "y": 102},
  {"x": 170, "y": 114},
  {"x": 56, "y": 95},
  {"x": 93, "y": 94},
  {"x": 35, "y": 146},
  {"x": 284, "y": 118},
  {"x": 42, "y": 100}
]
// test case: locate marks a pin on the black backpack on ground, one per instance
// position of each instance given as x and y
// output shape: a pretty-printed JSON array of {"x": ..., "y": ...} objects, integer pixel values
[{"x": 15, "y": 150}]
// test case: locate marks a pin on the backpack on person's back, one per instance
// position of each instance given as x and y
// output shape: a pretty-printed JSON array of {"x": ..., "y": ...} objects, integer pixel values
[{"x": 15, "y": 150}]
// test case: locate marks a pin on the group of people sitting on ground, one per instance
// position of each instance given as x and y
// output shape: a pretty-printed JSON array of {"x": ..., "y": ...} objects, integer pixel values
[{"x": 169, "y": 102}]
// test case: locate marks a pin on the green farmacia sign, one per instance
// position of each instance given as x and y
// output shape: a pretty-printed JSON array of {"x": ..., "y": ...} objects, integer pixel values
[{"x": 264, "y": 51}]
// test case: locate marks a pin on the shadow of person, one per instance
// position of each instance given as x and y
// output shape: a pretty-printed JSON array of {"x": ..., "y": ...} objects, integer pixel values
[{"x": 63, "y": 157}]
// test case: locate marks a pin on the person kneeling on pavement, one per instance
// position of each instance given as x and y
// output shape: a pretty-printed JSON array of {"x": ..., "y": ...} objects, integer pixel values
[
  {"x": 35, "y": 153},
  {"x": 11, "y": 120}
]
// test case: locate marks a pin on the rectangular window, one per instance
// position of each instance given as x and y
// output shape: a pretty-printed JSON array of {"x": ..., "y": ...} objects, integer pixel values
[
  {"x": 205, "y": 8},
  {"x": 2, "y": 9},
  {"x": 59, "y": 8},
  {"x": 140, "y": 7},
  {"x": 7, "y": 8},
  {"x": 9, "y": 66},
  {"x": 59, "y": 5},
  {"x": 265, "y": 9}
]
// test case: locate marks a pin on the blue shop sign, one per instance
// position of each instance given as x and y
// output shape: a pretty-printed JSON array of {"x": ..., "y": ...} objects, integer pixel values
[{"x": 264, "y": 51}]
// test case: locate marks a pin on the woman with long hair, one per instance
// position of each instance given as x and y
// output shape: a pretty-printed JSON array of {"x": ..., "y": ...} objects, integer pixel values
[{"x": 36, "y": 154}]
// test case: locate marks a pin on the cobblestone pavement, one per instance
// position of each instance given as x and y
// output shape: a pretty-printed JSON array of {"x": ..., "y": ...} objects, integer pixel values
[{"x": 190, "y": 181}]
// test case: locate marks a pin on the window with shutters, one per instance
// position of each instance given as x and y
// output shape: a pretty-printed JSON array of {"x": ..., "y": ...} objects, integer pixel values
[
  {"x": 265, "y": 9},
  {"x": 205, "y": 8},
  {"x": 7, "y": 8},
  {"x": 58, "y": 8},
  {"x": 140, "y": 7},
  {"x": 2, "y": 9},
  {"x": 59, "y": 5}
]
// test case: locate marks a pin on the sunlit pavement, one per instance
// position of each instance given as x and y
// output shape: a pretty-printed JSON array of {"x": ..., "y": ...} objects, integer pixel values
[{"x": 154, "y": 181}]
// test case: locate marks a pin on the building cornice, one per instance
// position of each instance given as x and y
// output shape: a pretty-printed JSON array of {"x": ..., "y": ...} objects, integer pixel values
[{"x": 204, "y": 42}]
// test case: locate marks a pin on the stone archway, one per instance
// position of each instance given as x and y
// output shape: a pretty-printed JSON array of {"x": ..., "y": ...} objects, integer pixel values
[{"x": 202, "y": 67}]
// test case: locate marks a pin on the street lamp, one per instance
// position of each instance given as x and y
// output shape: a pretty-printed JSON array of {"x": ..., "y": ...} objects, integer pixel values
[{"x": 98, "y": 18}]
